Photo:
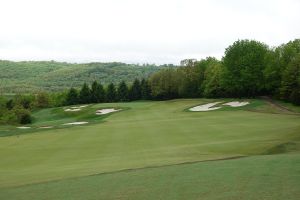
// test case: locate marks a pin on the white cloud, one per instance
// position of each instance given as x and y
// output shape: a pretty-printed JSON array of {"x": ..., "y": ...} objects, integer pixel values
[{"x": 153, "y": 31}]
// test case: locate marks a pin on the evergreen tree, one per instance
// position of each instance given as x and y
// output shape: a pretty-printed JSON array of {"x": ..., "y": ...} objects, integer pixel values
[
  {"x": 72, "y": 97},
  {"x": 101, "y": 93},
  {"x": 145, "y": 90},
  {"x": 94, "y": 92},
  {"x": 97, "y": 93},
  {"x": 135, "y": 90},
  {"x": 85, "y": 94},
  {"x": 122, "y": 93},
  {"x": 111, "y": 93}
]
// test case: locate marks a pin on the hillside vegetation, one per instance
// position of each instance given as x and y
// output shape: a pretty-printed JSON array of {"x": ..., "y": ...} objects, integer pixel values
[{"x": 33, "y": 76}]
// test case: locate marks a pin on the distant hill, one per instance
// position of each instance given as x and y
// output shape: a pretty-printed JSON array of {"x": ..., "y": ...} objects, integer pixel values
[{"x": 33, "y": 76}]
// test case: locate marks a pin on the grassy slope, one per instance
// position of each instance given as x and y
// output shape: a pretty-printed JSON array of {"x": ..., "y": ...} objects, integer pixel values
[
  {"x": 274, "y": 177},
  {"x": 32, "y": 76},
  {"x": 56, "y": 117},
  {"x": 148, "y": 134}
]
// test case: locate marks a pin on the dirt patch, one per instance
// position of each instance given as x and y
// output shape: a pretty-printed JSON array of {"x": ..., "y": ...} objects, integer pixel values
[{"x": 277, "y": 106}]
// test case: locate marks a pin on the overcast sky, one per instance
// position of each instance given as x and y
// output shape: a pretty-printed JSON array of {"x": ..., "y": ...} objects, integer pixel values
[{"x": 140, "y": 31}]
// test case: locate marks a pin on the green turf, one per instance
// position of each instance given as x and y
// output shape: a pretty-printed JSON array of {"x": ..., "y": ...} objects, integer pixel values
[
  {"x": 273, "y": 177},
  {"x": 56, "y": 118},
  {"x": 145, "y": 134}
]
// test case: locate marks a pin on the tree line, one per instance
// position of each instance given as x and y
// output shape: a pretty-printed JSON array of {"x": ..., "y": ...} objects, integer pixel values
[
  {"x": 96, "y": 93},
  {"x": 249, "y": 69}
]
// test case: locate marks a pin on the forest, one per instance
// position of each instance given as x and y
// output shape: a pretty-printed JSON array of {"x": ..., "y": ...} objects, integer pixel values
[
  {"x": 248, "y": 69},
  {"x": 51, "y": 76}
]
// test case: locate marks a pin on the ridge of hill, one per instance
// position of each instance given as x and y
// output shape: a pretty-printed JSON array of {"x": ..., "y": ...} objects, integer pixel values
[{"x": 33, "y": 76}]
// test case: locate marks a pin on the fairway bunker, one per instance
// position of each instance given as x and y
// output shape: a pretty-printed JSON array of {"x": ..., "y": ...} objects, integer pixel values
[
  {"x": 236, "y": 103},
  {"x": 23, "y": 127},
  {"x": 45, "y": 127},
  {"x": 75, "y": 108},
  {"x": 75, "y": 123},
  {"x": 106, "y": 111},
  {"x": 72, "y": 109},
  {"x": 205, "y": 107}
]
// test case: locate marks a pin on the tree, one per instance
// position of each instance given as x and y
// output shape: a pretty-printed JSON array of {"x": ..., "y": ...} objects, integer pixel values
[
  {"x": 290, "y": 86},
  {"x": 122, "y": 92},
  {"x": 10, "y": 104},
  {"x": 164, "y": 84},
  {"x": 111, "y": 93},
  {"x": 84, "y": 94},
  {"x": 135, "y": 90},
  {"x": 97, "y": 93},
  {"x": 212, "y": 83},
  {"x": 60, "y": 98},
  {"x": 42, "y": 100},
  {"x": 244, "y": 62},
  {"x": 272, "y": 72},
  {"x": 72, "y": 97},
  {"x": 145, "y": 90},
  {"x": 278, "y": 60},
  {"x": 188, "y": 62}
]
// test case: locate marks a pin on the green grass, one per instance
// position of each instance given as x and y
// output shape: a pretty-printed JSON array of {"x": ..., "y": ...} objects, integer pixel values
[
  {"x": 56, "y": 118},
  {"x": 273, "y": 177},
  {"x": 149, "y": 134}
]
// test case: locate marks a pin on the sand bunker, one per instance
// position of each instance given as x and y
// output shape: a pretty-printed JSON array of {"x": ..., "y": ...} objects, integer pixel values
[
  {"x": 82, "y": 106},
  {"x": 236, "y": 103},
  {"x": 205, "y": 107},
  {"x": 23, "y": 127},
  {"x": 75, "y": 108},
  {"x": 106, "y": 111},
  {"x": 46, "y": 127},
  {"x": 75, "y": 123},
  {"x": 72, "y": 109}
]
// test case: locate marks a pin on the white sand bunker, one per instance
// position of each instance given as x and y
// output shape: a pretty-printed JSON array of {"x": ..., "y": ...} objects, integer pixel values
[
  {"x": 75, "y": 108},
  {"x": 72, "y": 109},
  {"x": 236, "y": 103},
  {"x": 82, "y": 106},
  {"x": 205, "y": 107},
  {"x": 23, "y": 127},
  {"x": 75, "y": 123},
  {"x": 46, "y": 127},
  {"x": 106, "y": 111}
]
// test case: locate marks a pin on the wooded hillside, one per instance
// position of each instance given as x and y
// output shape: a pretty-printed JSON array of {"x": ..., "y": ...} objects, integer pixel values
[{"x": 33, "y": 76}]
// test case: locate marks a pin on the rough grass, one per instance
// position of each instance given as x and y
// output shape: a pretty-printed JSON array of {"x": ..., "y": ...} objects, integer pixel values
[{"x": 149, "y": 134}]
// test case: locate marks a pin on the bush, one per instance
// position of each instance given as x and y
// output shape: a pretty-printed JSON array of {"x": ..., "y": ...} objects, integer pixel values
[{"x": 23, "y": 116}]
